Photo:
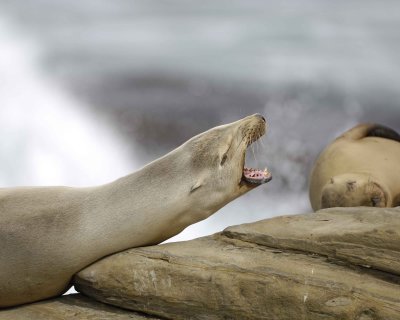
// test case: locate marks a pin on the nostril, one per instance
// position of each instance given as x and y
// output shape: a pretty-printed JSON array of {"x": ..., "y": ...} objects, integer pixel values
[{"x": 260, "y": 116}]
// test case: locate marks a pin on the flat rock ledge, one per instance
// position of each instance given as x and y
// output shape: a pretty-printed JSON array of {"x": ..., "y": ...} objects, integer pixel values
[
  {"x": 333, "y": 264},
  {"x": 74, "y": 306}
]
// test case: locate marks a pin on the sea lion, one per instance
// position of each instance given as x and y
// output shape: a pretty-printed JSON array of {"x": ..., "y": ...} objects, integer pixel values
[
  {"x": 360, "y": 168},
  {"x": 47, "y": 234}
]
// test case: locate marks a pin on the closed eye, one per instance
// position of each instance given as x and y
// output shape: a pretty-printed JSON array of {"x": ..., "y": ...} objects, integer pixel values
[
  {"x": 223, "y": 160},
  {"x": 376, "y": 201}
]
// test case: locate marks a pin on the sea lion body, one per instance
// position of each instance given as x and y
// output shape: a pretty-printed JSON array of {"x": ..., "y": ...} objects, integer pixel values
[
  {"x": 360, "y": 168},
  {"x": 47, "y": 234}
]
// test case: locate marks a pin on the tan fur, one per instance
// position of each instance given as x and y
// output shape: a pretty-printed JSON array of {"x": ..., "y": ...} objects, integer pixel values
[
  {"x": 355, "y": 170},
  {"x": 49, "y": 234}
]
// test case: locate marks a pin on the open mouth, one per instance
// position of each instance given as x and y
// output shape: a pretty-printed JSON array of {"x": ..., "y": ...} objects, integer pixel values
[
  {"x": 252, "y": 175},
  {"x": 256, "y": 176}
]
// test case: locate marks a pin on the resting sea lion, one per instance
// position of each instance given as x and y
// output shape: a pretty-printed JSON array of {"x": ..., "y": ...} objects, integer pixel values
[
  {"x": 360, "y": 168},
  {"x": 47, "y": 234}
]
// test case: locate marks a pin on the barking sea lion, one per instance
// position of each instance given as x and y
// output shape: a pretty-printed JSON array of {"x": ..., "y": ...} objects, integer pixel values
[
  {"x": 47, "y": 234},
  {"x": 360, "y": 168}
]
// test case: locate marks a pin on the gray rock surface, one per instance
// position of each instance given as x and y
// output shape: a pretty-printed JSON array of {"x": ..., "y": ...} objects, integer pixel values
[
  {"x": 69, "y": 307},
  {"x": 334, "y": 264}
]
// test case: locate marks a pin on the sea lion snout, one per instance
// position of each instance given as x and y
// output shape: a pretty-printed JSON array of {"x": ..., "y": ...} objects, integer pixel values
[
  {"x": 352, "y": 191},
  {"x": 260, "y": 116}
]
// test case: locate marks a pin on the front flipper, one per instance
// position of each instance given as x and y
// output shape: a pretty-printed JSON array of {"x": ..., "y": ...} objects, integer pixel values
[
  {"x": 380, "y": 131},
  {"x": 371, "y": 130}
]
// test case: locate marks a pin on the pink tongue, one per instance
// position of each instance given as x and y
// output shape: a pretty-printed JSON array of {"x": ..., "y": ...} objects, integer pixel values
[{"x": 253, "y": 173}]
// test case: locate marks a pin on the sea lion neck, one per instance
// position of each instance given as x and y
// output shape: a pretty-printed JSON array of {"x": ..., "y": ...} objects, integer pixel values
[{"x": 153, "y": 181}]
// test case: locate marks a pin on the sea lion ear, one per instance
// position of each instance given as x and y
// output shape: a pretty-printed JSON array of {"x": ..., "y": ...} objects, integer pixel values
[{"x": 196, "y": 186}]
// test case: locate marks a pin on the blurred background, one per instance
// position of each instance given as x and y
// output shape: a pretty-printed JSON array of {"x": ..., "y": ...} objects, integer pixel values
[{"x": 93, "y": 90}]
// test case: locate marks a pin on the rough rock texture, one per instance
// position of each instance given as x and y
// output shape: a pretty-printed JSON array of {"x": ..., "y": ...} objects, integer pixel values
[
  {"x": 334, "y": 264},
  {"x": 69, "y": 307},
  {"x": 362, "y": 236}
]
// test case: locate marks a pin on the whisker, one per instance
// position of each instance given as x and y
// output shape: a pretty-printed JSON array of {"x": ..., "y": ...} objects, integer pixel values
[
  {"x": 240, "y": 143},
  {"x": 262, "y": 141},
  {"x": 259, "y": 146},
  {"x": 254, "y": 155}
]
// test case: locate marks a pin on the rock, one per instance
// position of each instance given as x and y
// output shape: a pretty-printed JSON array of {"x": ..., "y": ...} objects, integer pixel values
[
  {"x": 69, "y": 307},
  {"x": 334, "y": 264},
  {"x": 362, "y": 236}
]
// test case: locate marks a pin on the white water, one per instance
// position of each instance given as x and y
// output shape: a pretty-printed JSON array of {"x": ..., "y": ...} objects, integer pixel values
[{"x": 47, "y": 138}]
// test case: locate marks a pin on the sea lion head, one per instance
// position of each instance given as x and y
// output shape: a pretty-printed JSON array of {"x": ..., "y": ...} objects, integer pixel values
[
  {"x": 354, "y": 190},
  {"x": 217, "y": 163}
]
